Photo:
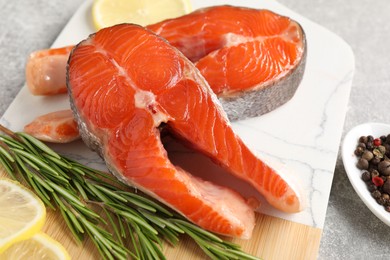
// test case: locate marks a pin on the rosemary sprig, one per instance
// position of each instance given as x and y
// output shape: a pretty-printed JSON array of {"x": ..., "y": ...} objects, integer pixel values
[{"x": 81, "y": 194}]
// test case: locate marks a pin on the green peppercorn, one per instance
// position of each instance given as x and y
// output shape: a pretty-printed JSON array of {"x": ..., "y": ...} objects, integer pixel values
[{"x": 374, "y": 173}]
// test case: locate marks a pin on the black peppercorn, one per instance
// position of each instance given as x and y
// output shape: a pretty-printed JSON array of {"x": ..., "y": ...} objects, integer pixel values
[
  {"x": 386, "y": 187},
  {"x": 376, "y": 194},
  {"x": 359, "y": 151},
  {"x": 388, "y": 139},
  {"x": 381, "y": 201},
  {"x": 366, "y": 176},
  {"x": 375, "y": 160},
  {"x": 363, "y": 139},
  {"x": 371, "y": 187},
  {"x": 362, "y": 145}
]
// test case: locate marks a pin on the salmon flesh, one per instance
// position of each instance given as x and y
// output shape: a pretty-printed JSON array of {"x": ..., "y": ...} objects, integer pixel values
[
  {"x": 124, "y": 82},
  {"x": 253, "y": 59}
]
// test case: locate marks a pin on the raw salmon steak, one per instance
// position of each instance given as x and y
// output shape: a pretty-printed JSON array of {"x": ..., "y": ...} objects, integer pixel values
[
  {"x": 124, "y": 82},
  {"x": 253, "y": 59}
]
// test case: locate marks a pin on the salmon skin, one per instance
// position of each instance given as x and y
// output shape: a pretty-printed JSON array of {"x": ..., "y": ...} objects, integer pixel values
[
  {"x": 124, "y": 82},
  {"x": 253, "y": 59}
]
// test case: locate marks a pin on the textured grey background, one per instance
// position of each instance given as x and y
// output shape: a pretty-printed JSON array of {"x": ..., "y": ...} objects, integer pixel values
[{"x": 351, "y": 230}]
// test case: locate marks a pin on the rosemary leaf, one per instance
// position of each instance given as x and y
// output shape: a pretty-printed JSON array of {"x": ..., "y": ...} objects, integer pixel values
[
  {"x": 109, "y": 193},
  {"x": 76, "y": 235},
  {"x": 5, "y": 153},
  {"x": 114, "y": 226},
  {"x": 80, "y": 189},
  {"x": 7, "y": 166},
  {"x": 10, "y": 142},
  {"x": 72, "y": 188},
  {"x": 28, "y": 147},
  {"x": 67, "y": 194},
  {"x": 35, "y": 159},
  {"x": 137, "y": 220},
  {"x": 57, "y": 161},
  {"x": 40, "y": 145}
]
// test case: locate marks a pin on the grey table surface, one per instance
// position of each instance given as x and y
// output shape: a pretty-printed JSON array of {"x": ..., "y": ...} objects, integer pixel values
[{"x": 351, "y": 231}]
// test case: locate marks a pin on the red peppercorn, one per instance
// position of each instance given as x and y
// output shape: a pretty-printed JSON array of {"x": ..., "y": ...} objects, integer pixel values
[
  {"x": 377, "y": 142},
  {"x": 378, "y": 181}
]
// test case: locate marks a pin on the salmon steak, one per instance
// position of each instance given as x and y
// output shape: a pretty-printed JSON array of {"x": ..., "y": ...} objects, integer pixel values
[
  {"x": 125, "y": 83},
  {"x": 253, "y": 59}
]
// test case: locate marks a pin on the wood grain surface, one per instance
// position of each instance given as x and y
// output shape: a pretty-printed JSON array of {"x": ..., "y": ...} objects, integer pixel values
[{"x": 273, "y": 239}]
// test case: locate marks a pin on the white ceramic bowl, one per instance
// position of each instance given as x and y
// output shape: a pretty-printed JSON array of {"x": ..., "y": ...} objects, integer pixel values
[{"x": 354, "y": 174}]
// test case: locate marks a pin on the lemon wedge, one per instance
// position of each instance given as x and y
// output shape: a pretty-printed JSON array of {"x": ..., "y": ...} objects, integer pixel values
[
  {"x": 22, "y": 213},
  {"x": 40, "y": 246},
  {"x": 143, "y": 12}
]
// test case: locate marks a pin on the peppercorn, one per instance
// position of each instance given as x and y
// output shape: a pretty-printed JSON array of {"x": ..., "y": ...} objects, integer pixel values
[
  {"x": 382, "y": 149},
  {"x": 363, "y": 139},
  {"x": 387, "y": 208},
  {"x": 381, "y": 201},
  {"x": 378, "y": 181},
  {"x": 376, "y": 194},
  {"x": 362, "y": 145},
  {"x": 367, "y": 155},
  {"x": 378, "y": 153},
  {"x": 384, "y": 168},
  {"x": 386, "y": 187},
  {"x": 383, "y": 138},
  {"x": 386, "y": 196},
  {"x": 371, "y": 187},
  {"x": 362, "y": 164},
  {"x": 369, "y": 146},
  {"x": 359, "y": 151},
  {"x": 366, "y": 176},
  {"x": 374, "y": 173},
  {"x": 377, "y": 142},
  {"x": 370, "y": 138},
  {"x": 388, "y": 139},
  {"x": 375, "y": 160}
]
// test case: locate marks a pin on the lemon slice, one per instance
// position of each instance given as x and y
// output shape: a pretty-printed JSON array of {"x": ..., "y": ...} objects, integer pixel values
[
  {"x": 143, "y": 12},
  {"x": 22, "y": 213},
  {"x": 38, "y": 247}
]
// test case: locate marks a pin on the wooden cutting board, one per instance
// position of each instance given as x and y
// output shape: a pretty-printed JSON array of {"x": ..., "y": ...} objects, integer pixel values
[{"x": 273, "y": 238}]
